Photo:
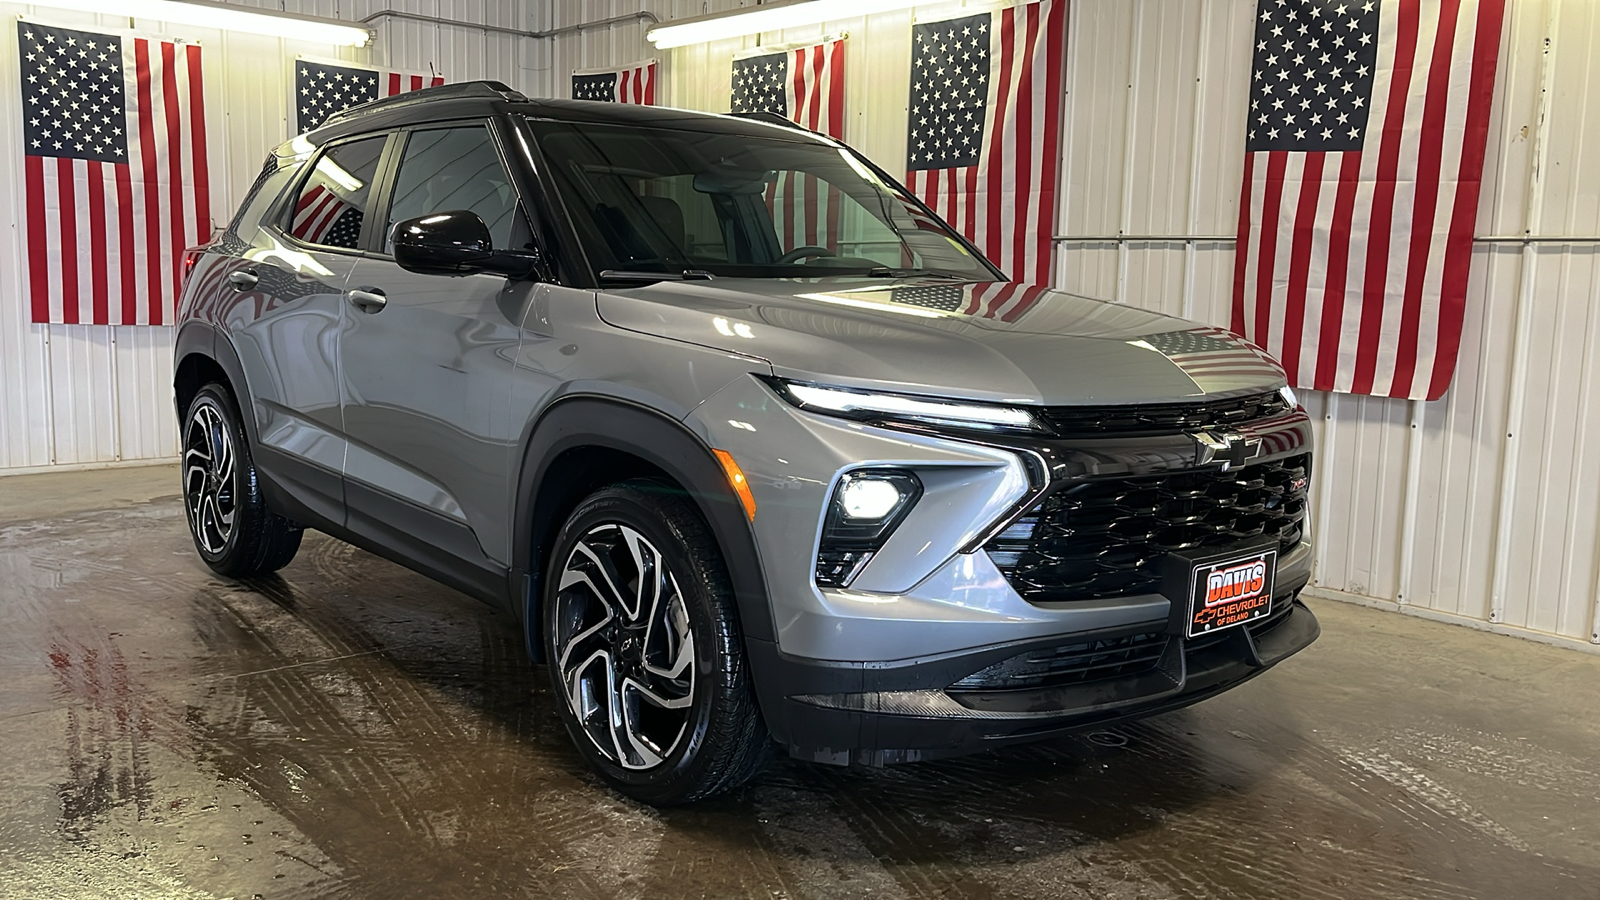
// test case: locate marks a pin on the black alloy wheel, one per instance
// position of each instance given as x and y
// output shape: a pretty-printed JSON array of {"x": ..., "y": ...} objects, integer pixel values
[
  {"x": 645, "y": 654},
  {"x": 233, "y": 530}
]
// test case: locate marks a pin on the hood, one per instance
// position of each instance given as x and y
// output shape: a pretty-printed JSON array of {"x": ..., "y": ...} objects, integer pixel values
[{"x": 1004, "y": 342}]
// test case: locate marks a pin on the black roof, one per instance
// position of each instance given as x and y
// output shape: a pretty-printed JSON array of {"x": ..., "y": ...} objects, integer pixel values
[{"x": 481, "y": 98}]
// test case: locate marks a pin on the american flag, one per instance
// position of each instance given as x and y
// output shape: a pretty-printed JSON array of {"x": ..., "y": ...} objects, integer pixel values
[
  {"x": 635, "y": 83},
  {"x": 984, "y": 146},
  {"x": 1363, "y": 157},
  {"x": 114, "y": 148},
  {"x": 322, "y": 88},
  {"x": 806, "y": 86}
]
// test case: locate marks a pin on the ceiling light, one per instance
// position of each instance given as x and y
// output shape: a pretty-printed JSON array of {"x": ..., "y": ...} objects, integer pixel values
[
  {"x": 227, "y": 17},
  {"x": 770, "y": 17}
]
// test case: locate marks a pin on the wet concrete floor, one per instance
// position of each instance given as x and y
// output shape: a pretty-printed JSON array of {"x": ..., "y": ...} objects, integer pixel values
[{"x": 350, "y": 729}]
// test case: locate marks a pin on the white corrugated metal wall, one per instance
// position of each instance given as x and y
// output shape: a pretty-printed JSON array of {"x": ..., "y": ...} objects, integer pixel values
[
  {"x": 92, "y": 395},
  {"x": 1475, "y": 507}
]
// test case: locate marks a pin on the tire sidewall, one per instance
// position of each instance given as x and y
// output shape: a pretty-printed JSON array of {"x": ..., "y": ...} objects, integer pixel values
[
  {"x": 242, "y": 475},
  {"x": 627, "y": 505}
]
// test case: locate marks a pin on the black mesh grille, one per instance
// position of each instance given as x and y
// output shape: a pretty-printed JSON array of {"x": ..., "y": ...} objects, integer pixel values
[
  {"x": 1069, "y": 664},
  {"x": 1107, "y": 538},
  {"x": 1070, "y": 421}
]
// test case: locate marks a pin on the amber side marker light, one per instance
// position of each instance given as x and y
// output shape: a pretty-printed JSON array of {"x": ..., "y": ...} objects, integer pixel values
[{"x": 740, "y": 484}]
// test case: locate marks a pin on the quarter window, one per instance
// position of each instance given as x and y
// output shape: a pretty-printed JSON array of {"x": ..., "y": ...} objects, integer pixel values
[
  {"x": 332, "y": 204},
  {"x": 447, "y": 169}
]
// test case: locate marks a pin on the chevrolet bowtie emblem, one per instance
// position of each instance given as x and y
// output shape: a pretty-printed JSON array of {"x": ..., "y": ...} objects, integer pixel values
[{"x": 1229, "y": 448}]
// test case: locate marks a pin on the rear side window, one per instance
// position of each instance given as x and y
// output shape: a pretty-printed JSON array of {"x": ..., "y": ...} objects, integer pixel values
[
  {"x": 449, "y": 169},
  {"x": 269, "y": 185},
  {"x": 332, "y": 203}
]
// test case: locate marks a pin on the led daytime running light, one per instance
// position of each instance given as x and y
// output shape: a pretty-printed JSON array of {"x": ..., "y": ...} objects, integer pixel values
[{"x": 969, "y": 414}]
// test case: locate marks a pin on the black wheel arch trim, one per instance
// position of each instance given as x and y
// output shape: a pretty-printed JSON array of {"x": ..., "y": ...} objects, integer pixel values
[
  {"x": 200, "y": 338},
  {"x": 667, "y": 444},
  {"x": 293, "y": 489}
]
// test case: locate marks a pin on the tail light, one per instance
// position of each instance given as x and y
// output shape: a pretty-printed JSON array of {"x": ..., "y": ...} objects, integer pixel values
[{"x": 191, "y": 257}]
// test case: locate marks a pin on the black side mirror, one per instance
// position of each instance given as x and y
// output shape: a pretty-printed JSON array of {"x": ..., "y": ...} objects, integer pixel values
[{"x": 456, "y": 242}]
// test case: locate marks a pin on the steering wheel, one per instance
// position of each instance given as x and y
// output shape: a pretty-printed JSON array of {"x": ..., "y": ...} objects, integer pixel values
[{"x": 800, "y": 253}]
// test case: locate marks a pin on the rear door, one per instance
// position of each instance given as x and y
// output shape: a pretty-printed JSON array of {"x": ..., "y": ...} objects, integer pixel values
[
  {"x": 283, "y": 308},
  {"x": 426, "y": 364}
]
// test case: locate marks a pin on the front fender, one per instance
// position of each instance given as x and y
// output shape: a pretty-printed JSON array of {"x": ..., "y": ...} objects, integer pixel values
[{"x": 609, "y": 423}]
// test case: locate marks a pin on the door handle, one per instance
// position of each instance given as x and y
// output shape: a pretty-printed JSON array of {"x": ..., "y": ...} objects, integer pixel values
[
  {"x": 368, "y": 299},
  {"x": 243, "y": 279}
]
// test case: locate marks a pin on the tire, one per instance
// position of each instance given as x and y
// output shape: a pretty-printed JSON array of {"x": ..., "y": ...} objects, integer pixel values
[
  {"x": 233, "y": 530},
  {"x": 657, "y": 697}
]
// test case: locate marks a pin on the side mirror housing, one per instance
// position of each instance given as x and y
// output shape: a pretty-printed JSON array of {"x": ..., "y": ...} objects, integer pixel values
[{"x": 456, "y": 242}]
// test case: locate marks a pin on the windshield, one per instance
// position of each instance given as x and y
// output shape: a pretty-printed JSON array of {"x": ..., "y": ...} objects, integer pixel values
[{"x": 651, "y": 200}]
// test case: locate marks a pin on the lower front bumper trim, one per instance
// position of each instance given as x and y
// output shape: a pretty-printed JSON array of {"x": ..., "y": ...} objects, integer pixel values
[{"x": 893, "y": 726}]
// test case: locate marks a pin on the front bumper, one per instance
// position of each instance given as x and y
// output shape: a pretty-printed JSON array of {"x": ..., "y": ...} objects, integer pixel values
[
  {"x": 846, "y": 715},
  {"x": 868, "y": 674}
]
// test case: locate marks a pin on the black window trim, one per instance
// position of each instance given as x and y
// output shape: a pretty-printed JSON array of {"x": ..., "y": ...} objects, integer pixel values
[
  {"x": 375, "y": 247},
  {"x": 276, "y": 220}
]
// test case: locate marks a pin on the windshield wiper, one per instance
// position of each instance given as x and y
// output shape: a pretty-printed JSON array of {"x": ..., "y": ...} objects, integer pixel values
[
  {"x": 887, "y": 272},
  {"x": 634, "y": 276}
]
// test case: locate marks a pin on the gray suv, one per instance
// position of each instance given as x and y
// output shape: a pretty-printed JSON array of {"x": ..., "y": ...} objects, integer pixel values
[{"x": 758, "y": 450}]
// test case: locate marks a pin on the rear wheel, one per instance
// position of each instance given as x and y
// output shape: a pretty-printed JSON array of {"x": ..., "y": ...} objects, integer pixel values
[
  {"x": 233, "y": 530},
  {"x": 644, "y": 647}
]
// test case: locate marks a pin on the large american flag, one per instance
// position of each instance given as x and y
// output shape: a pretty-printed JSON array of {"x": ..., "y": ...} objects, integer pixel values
[
  {"x": 984, "y": 146},
  {"x": 806, "y": 86},
  {"x": 634, "y": 83},
  {"x": 324, "y": 88},
  {"x": 1363, "y": 158},
  {"x": 114, "y": 150}
]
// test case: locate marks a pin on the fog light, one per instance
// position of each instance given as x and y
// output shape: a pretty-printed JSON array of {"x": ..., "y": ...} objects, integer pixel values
[
  {"x": 865, "y": 509},
  {"x": 868, "y": 498}
]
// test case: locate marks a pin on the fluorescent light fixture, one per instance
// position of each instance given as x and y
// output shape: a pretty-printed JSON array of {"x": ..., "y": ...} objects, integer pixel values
[
  {"x": 228, "y": 17},
  {"x": 769, "y": 17}
]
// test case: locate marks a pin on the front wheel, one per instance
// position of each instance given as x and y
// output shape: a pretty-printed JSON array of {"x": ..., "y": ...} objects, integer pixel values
[{"x": 644, "y": 647}]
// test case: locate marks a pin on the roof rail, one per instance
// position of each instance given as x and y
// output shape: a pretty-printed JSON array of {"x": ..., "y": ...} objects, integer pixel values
[
  {"x": 771, "y": 118},
  {"x": 488, "y": 90}
]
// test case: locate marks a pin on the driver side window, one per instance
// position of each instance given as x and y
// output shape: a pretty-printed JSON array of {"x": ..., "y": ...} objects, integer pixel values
[{"x": 447, "y": 169}]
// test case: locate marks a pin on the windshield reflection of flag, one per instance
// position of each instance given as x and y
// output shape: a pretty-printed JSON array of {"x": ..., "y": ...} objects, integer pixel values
[{"x": 806, "y": 86}]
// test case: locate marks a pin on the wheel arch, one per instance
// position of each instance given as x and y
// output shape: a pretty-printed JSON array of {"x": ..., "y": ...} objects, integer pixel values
[
  {"x": 582, "y": 443},
  {"x": 202, "y": 355}
]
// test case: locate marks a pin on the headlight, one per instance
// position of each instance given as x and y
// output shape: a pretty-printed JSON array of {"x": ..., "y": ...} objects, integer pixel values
[
  {"x": 866, "y": 506},
  {"x": 872, "y": 405},
  {"x": 1288, "y": 395}
]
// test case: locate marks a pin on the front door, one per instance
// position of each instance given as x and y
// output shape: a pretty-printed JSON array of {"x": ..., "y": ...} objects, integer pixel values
[{"x": 426, "y": 363}]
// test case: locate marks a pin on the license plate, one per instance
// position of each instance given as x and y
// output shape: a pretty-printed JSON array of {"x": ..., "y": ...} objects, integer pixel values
[{"x": 1231, "y": 592}]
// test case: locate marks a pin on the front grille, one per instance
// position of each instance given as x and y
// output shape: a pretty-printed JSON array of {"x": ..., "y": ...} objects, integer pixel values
[
  {"x": 1108, "y": 537},
  {"x": 1069, "y": 664},
  {"x": 1163, "y": 418}
]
